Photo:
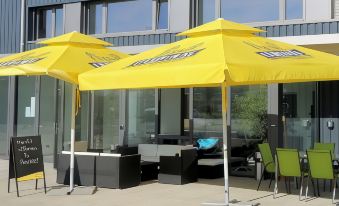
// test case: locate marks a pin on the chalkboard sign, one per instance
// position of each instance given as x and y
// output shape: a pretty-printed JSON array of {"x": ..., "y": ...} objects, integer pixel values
[{"x": 26, "y": 160}]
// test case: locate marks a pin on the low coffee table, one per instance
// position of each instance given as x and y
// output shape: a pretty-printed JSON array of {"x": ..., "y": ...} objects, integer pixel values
[{"x": 149, "y": 170}]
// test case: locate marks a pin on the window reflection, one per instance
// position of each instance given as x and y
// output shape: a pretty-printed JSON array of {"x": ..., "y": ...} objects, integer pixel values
[
  {"x": 162, "y": 14},
  {"x": 206, "y": 9},
  {"x": 95, "y": 18},
  {"x": 129, "y": 15},
  {"x": 59, "y": 22},
  {"x": 141, "y": 116},
  {"x": 207, "y": 112},
  {"x": 250, "y": 10},
  {"x": 45, "y": 23},
  {"x": 294, "y": 9}
]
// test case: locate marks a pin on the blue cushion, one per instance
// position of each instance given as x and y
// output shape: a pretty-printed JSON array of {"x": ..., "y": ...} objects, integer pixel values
[{"x": 207, "y": 143}]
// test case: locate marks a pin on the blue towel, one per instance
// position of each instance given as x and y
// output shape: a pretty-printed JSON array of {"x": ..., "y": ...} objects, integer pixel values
[{"x": 207, "y": 143}]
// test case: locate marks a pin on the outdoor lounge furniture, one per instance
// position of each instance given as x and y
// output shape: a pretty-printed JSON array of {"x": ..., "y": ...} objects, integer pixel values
[
  {"x": 116, "y": 171},
  {"x": 102, "y": 170},
  {"x": 151, "y": 155},
  {"x": 179, "y": 169},
  {"x": 84, "y": 168},
  {"x": 268, "y": 162},
  {"x": 211, "y": 168}
]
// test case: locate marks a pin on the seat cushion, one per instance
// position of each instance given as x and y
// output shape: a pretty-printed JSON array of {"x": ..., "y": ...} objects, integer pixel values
[
  {"x": 149, "y": 150},
  {"x": 169, "y": 150},
  {"x": 211, "y": 162}
]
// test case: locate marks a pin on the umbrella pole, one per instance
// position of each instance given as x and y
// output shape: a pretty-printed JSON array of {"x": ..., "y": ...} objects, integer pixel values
[
  {"x": 71, "y": 173},
  {"x": 224, "y": 137}
]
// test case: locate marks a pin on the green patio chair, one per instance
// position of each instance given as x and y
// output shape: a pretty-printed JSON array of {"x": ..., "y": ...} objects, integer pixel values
[
  {"x": 289, "y": 166},
  {"x": 325, "y": 146},
  {"x": 321, "y": 167},
  {"x": 268, "y": 162}
]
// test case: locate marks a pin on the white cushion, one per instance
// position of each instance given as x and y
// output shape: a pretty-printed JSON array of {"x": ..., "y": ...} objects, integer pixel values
[
  {"x": 210, "y": 162},
  {"x": 169, "y": 150},
  {"x": 148, "y": 150}
]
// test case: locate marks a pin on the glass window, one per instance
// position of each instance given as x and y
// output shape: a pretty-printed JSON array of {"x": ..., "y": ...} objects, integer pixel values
[
  {"x": 299, "y": 112},
  {"x": 139, "y": 16},
  {"x": 47, "y": 114},
  {"x": 162, "y": 14},
  {"x": 141, "y": 116},
  {"x": 207, "y": 112},
  {"x": 206, "y": 11},
  {"x": 26, "y": 106},
  {"x": 250, "y": 10},
  {"x": 82, "y": 120},
  {"x": 248, "y": 126},
  {"x": 95, "y": 18},
  {"x": 45, "y": 23},
  {"x": 59, "y": 22},
  {"x": 294, "y": 9},
  {"x": 106, "y": 119},
  {"x": 3, "y": 116}
]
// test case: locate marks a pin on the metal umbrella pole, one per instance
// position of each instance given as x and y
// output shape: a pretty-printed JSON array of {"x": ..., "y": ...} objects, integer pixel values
[
  {"x": 225, "y": 151},
  {"x": 71, "y": 172}
]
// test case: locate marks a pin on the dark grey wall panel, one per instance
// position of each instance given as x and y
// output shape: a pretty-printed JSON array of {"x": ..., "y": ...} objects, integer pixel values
[{"x": 10, "y": 11}]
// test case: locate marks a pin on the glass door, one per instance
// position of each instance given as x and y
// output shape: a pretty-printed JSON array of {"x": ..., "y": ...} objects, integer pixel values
[
  {"x": 47, "y": 116},
  {"x": 108, "y": 123},
  {"x": 4, "y": 81},
  {"x": 140, "y": 117},
  {"x": 26, "y": 106},
  {"x": 299, "y": 111}
]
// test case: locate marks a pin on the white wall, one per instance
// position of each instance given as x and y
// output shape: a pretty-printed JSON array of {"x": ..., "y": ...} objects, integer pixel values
[
  {"x": 318, "y": 9},
  {"x": 179, "y": 14}
]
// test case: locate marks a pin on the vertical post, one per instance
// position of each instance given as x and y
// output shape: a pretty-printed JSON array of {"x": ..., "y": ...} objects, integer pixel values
[
  {"x": 224, "y": 136},
  {"x": 71, "y": 173}
]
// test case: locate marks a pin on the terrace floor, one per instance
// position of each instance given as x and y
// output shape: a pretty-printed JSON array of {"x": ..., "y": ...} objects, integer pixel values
[{"x": 151, "y": 193}]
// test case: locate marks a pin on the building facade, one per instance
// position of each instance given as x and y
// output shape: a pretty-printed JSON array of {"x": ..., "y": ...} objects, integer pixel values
[{"x": 291, "y": 115}]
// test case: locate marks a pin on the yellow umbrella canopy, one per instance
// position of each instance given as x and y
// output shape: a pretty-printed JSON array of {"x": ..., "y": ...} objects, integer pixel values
[
  {"x": 217, "y": 52},
  {"x": 64, "y": 57},
  {"x": 220, "y": 53}
]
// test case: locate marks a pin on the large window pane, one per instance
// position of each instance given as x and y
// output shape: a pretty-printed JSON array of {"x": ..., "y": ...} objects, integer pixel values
[
  {"x": 106, "y": 119},
  {"x": 207, "y": 112},
  {"x": 47, "y": 116},
  {"x": 250, "y": 10},
  {"x": 129, "y": 15},
  {"x": 95, "y": 18},
  {"x": 82, "y": 120},
  {"x": 248, "y": 126},
  {"x": 26, "y": 106},
  {"x": 3, "y": 116},
  {"x": 162, "y": 14},
  {"x": 141, "y": 116},
  {"x": 294, "y": 9},
  {"x": 206, "y": 11},
  {"x": 59, "y": 22},
  {"x": 45, "y": 23},
  {"x": 299, "y": 105}
]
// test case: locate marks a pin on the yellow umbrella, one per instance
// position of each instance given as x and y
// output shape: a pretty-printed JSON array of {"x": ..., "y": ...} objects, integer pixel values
[
  {"x": 219, "y": 53},
  {"x": 64, "y": 57}
]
